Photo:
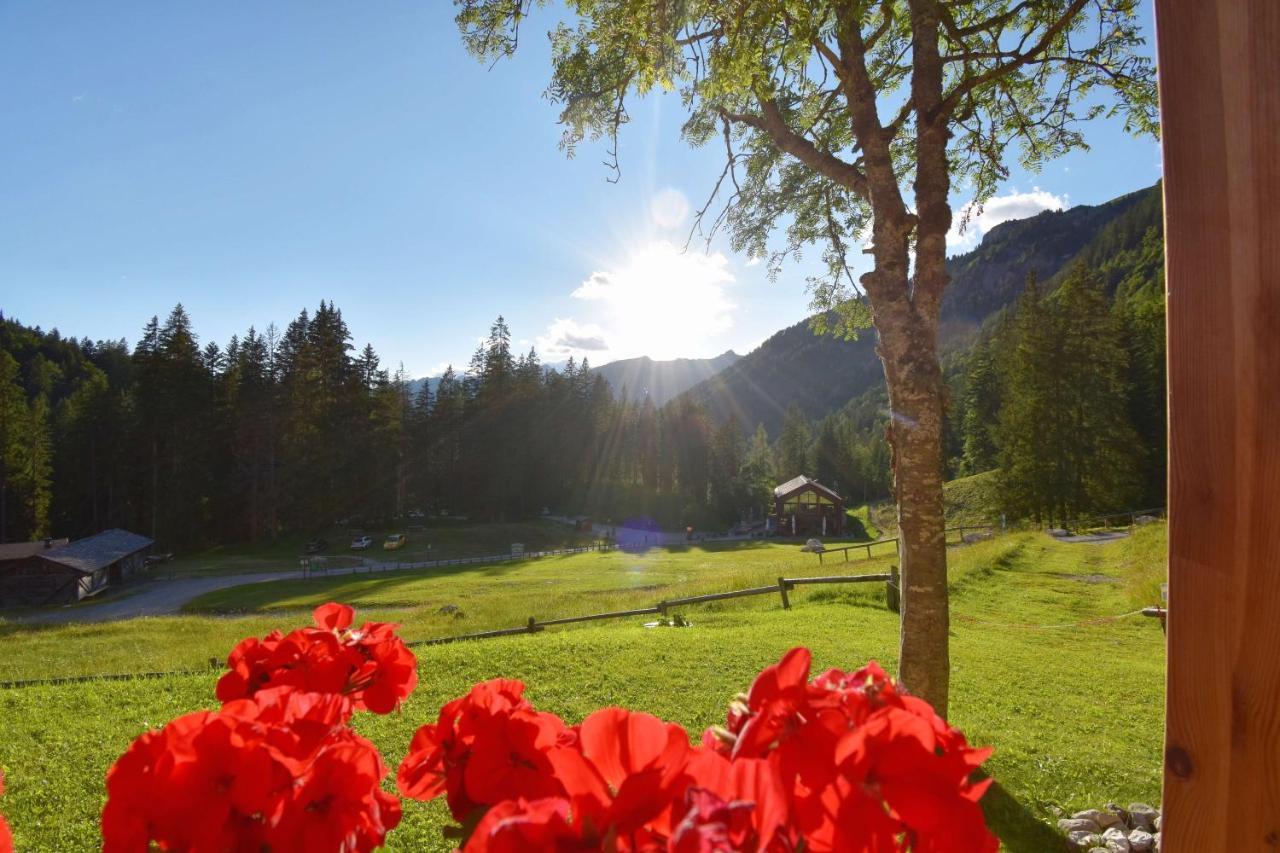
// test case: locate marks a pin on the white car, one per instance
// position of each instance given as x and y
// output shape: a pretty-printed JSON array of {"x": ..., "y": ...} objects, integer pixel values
[{"x": 362, "y": 543}]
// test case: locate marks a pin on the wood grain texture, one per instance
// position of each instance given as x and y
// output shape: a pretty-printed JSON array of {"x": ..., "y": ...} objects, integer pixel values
[{"x": 1219, "y": 63}]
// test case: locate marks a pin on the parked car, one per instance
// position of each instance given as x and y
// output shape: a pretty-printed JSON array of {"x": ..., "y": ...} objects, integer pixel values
[
  {"x": 394, "y": 542},
  {"x": 315, "y": 546},
  {"x": 362, "y": 543}
]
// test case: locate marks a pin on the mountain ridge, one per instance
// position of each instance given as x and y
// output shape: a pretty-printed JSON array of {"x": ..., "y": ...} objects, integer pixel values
[
  {"x": 660, "y": 380},
  {"x": 822, "y": 374}
]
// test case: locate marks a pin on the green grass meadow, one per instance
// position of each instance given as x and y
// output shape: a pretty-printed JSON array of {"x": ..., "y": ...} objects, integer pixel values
[
  {"x": 1071, "y": 699},
  {"x": 434, "y": 539}
]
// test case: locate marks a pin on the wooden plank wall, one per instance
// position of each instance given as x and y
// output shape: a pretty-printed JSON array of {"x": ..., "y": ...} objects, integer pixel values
[{"x": 1219, "y": 66}]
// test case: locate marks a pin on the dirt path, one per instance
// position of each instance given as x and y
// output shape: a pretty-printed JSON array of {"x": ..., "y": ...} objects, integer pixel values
[{"x": 149, "y": 598}]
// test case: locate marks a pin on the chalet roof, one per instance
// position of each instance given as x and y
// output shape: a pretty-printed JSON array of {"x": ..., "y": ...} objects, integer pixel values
[
  {"x": 98, "y": 551},
  {"x": 22, "y": 550},
  {"x": 795, "y": 484}
]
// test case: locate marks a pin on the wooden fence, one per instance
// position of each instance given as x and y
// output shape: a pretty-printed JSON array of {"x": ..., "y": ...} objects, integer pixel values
[
  {"x": 867, "y": 546},
  {"x": 782, "y": 589},
  {"x": 1129, "y": 519}
]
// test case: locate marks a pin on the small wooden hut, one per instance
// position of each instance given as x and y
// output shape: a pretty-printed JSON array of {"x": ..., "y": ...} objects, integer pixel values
[
  {"x": 804, "y": 507},
  {"x": 69, "y": 573}
]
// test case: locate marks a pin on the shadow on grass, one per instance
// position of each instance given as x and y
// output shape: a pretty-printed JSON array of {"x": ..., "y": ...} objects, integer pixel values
[{"x": 1018, "y": 829}]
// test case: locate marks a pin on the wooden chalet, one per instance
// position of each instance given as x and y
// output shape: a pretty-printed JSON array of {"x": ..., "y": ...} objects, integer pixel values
[
  {"x": 804, "y": 507},
  {"x": 71, "y": 572}
]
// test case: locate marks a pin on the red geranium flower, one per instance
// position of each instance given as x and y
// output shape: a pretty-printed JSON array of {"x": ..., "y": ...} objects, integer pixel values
[
  {"x": 339, "y": 803},
  {"x": 485, "y": 747},
  {"x": 520, "y": 825},
  {"x": 845, "y": 761},
  {"x": 865, "y": 766},
  {"x": 371, "y": 665},
  {"x": 624, "y": 774},
  {"x": 6, "y": 837},
  {"x": 280, "y": 771}
]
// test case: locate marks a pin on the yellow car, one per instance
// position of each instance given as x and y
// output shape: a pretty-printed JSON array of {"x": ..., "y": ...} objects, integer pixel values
[{"x": 394, "y": 542}]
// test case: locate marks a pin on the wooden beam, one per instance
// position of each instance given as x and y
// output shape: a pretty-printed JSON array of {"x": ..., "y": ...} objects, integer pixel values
[{"x": 1219, "y": 63}]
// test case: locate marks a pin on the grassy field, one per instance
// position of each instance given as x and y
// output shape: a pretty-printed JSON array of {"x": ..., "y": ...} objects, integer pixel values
[
  {"x": 972, "y": 500},
  {"x": 1071, "y": 699},
  {"x": 431, "y": 540}
]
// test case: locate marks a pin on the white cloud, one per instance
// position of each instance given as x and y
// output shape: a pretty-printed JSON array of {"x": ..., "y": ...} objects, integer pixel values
[
  {"x": 567, "y": 337},
  {"x": 437, "y": 370},
  {"x": 754, "y": 262},
  {"x": 669, "y": 207},
  {"x": 999, "y": 209}
]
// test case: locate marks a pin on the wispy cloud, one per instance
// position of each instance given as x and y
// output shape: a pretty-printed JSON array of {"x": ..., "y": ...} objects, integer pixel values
[
  {"x": 567, "y": 337},
  {"x": 976, "y": 222}
]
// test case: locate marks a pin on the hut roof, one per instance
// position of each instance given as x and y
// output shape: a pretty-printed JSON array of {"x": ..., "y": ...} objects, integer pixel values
[
  {"x": 797, "y": 483},
  {"x": 22, "y": 550},
  {"x": 98, "y": 551}
]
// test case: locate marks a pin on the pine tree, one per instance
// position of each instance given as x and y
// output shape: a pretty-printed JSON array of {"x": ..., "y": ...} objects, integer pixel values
[
  {"x": 13, "y": 425},
  {"x": 793, "y": 445},
  {"x": 1067, "y": 446},
  {"x": 981, "y": 404},
  {"x": 828, "y": 453},
  {"x": 1031, "y": 428}
]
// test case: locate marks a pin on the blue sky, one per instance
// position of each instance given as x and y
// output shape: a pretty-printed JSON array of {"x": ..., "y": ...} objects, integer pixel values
[{"x": 250, "y": 159}]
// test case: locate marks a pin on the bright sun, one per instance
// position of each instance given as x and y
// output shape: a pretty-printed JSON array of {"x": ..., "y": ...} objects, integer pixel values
[{"x": 661, "y": 301}]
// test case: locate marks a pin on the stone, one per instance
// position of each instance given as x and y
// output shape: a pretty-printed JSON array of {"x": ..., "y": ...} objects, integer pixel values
[
  {"x": 1087, "y": 814},
  {"x": 1142, "y": 816},
  {"x": 1156, "y": 846},
  {"x": 1071, "y": 824},
  {"x": 1159, "y": 819},
  {"x": 1141, "y": 841},
  {"x": 1110, "y": 817},
  {"x": 1099, "y": 850},
  {"x": 1082, "y": 840},
  {"x": 1116, "y": 840},
  {"x": 814, "y": 546}
]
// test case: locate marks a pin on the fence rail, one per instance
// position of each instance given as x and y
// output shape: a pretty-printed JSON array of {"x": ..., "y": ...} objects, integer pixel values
[
  {"x": 1129, "y": 517},
  {"x": 532, "y": 626},
  {"x": 867, "y": 546},
  {"x": 781, "y": 589}
]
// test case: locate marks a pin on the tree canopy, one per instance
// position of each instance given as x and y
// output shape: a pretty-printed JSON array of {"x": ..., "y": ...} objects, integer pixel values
[{"x": 822, "y": 107}]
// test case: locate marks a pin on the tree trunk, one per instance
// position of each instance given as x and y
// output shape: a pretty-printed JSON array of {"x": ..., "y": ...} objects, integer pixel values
[{"x": 914, "y": 380}]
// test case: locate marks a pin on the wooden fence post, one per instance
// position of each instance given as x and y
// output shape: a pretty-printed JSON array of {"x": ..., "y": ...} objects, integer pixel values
[
  {"x": 892, "y": 590},
  {"x": 1220, "y": 116},
  {"x": 782, "y": 591}
]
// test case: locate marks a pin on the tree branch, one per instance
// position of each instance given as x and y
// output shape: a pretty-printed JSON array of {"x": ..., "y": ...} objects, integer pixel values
[
  {"x": 825, "y": 163},
  {"x": 1019, "y": 58}
]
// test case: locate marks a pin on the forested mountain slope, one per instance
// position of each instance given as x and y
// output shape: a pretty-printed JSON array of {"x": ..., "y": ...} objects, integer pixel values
[
  {"x": 661, "y": 381},
  {"x": 821, "y": 374}
]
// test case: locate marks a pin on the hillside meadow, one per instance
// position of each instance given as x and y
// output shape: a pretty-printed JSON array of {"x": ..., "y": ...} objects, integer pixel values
[{"x": 1071, "y": 698}]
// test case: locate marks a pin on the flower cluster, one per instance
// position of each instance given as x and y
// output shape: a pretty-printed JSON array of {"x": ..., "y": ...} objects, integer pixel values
[
  {"x": 281, "y": 771},
  {"x": 371, "y": 666},
  {"x": 843, "y": 762},
  {"x": 277, "y": 767},
  {"x": 6, "y": 839}
]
